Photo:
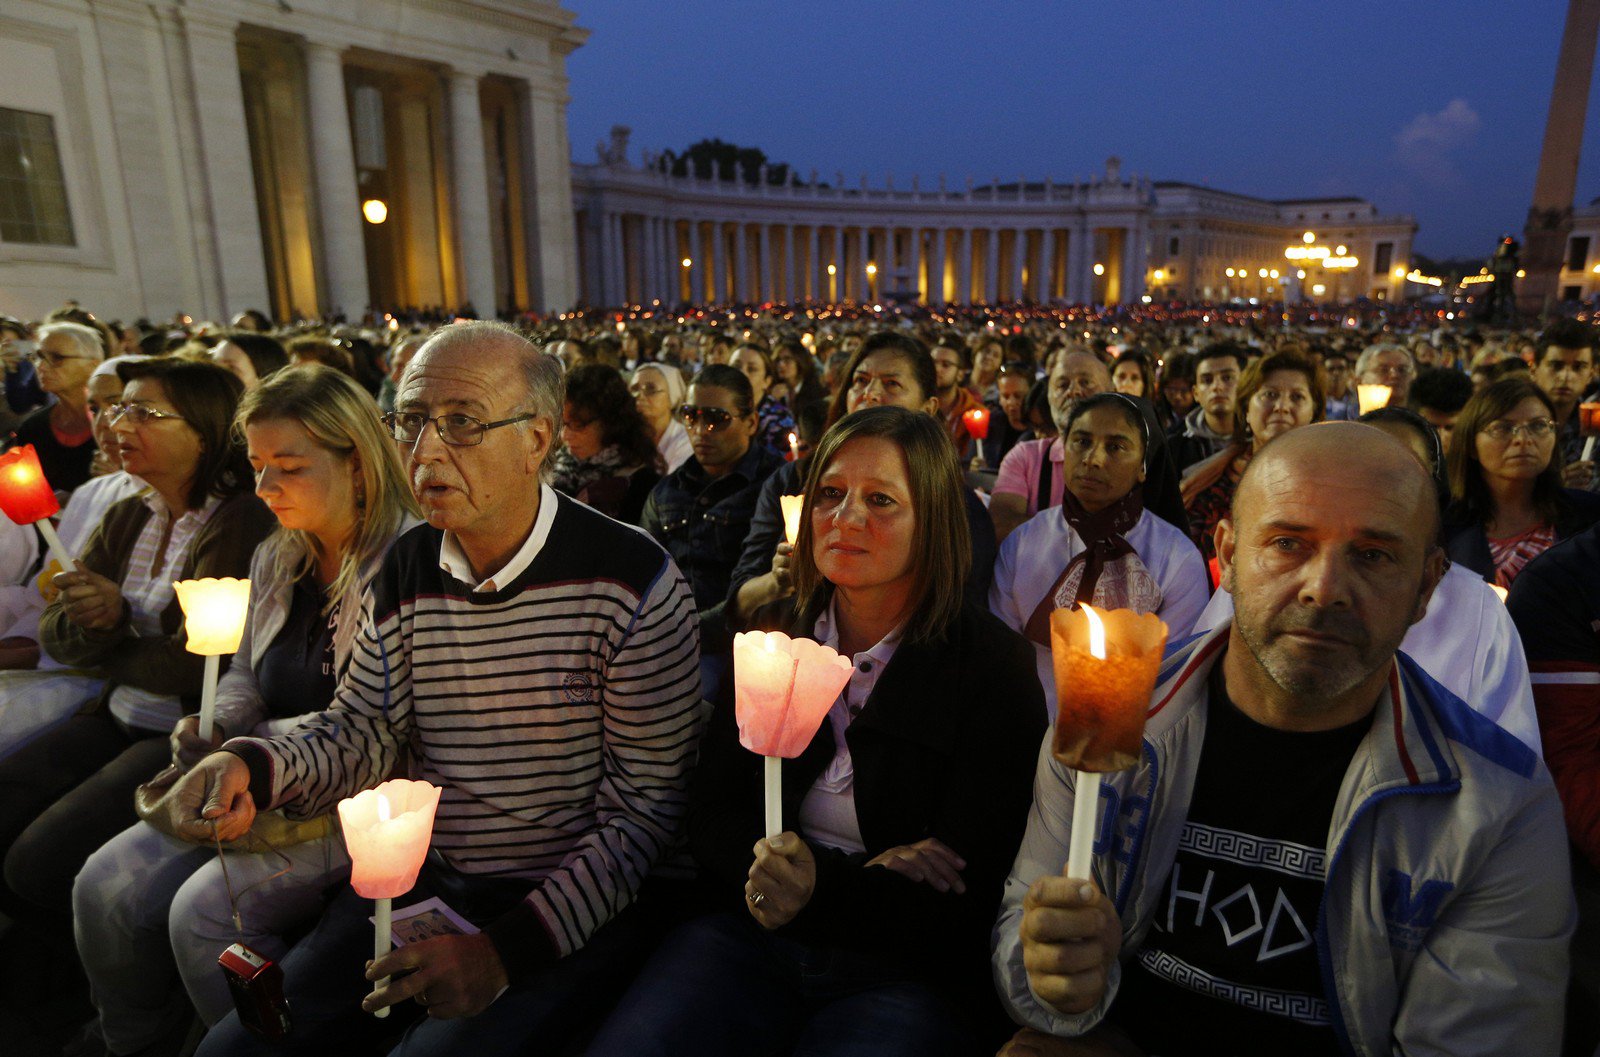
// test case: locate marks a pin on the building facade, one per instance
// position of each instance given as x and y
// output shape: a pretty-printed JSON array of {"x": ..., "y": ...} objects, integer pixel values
[
  {"x": 644, "y": 235},
  {"x": 309, "y": 158}
]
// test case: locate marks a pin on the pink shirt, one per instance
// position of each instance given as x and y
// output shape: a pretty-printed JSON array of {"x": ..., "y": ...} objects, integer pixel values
[{"x": 1019, "y": 472}]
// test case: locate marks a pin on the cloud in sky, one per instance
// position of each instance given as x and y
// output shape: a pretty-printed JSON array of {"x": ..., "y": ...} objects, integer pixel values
[{"x": 1427, "y": 146}]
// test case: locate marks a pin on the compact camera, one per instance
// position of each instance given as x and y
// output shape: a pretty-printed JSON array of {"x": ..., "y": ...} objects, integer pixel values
[{"x": 257, "y": 987}]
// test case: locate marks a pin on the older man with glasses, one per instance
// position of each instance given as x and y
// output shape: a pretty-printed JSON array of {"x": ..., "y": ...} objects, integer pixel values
[
  {"x": 61, "y": 431},
  {"x": 533, "y": 659}
]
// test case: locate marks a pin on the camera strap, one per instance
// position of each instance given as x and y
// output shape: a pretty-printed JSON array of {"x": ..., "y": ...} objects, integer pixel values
[{"x": 227, "y": 882}]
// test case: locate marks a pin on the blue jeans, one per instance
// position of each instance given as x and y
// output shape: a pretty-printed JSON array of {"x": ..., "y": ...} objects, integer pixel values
[
  {"x": 324, "y": 983},
  {"x": 722, "y": 986}
]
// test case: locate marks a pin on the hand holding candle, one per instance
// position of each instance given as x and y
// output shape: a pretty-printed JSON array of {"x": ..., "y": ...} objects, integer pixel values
[
  {"x": 783, "y": 688},
  {"x": 977, "y": 422},
  {"x": 387, "y": 831},
  {"x": 1105, "y": 672},
  {"x": 26, "y": 498},
  {"x": 213, "y": 618}
]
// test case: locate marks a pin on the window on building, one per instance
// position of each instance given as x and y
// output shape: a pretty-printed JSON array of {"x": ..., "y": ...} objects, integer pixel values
[
  {"x": 1577, "y": 252},
  {"x": 1572, "y": 293},
  {"x": 33, "y": 195},
  {"x": 1382, "y": 258},
  {"x": 1172, "y": 246}
]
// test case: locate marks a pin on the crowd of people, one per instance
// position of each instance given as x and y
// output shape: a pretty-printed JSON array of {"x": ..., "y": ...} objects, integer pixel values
[{"x": 510, "y": 559}]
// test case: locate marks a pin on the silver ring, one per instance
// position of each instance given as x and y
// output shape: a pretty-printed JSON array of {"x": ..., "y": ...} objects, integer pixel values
[{"x": 757, "y": 897}]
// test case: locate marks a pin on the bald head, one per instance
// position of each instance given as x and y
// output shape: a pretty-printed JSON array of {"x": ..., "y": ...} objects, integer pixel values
[
  {"x": 496, "y": 346},
  {"x": 1374, "y": 459},
  {"x": 1076, "y": 374}
]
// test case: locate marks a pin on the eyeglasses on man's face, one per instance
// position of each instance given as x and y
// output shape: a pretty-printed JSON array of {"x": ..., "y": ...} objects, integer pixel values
[
  {"x": 1501, "y": 431},
  {"x": 713, "y": 418},
  {"x": 456, "y": 430}
]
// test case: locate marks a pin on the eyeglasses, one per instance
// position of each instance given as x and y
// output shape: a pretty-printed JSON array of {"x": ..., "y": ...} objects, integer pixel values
[
  {"x": 1536, "y": 429},
  {"x": 138, "y": 414},
  {"x": 54, "y": 359},
  {"x": 458, "y": 431},
  {"x": 639, "y": 389},
  {"x": 713, "y": 418}
]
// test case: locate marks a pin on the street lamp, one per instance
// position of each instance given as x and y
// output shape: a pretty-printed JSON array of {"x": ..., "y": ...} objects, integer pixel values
[{"x": 375, "y": 210}]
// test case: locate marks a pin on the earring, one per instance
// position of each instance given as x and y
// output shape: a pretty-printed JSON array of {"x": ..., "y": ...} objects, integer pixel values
[{"x": 361, "y": 494}]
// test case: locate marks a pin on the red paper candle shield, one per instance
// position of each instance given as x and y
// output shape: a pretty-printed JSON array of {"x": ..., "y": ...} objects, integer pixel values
[
  {"x": 783, "y": 687},
  {"x": 1103, "y": 685},
  {"x": 25, "y": 495},
  {"x": 1589, "y": 420},
  {"x": 387, "y": 831},
  {"x": 977, "y": 422}
]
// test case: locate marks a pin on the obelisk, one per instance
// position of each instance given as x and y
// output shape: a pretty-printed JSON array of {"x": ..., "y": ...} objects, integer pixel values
[{"x": 1550, "y": 216}]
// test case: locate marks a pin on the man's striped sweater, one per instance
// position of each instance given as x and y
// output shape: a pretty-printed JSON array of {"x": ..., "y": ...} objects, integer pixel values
[{"x": 559, "y": 714}]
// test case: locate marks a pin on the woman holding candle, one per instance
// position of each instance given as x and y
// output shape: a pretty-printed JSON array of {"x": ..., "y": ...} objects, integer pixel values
[
  {"x": 608, "y": 459},
  {"x": 150, "y": 907},
  {"x": 65, "y": 793},
  {"x": 1101, "y": 546},
  {"x": 1276, "y": 393},
  {"x": 657, "y": 390},
  {"x": 61, "y": 431},
  {"x": 1507, "y": 503},
  {"x": 865, "y": 922},
  {"x": 774, "y": 420}
]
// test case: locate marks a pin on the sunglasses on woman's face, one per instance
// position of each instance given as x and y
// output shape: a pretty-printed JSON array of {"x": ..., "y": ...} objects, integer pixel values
[{"x": 713, "y": 418}]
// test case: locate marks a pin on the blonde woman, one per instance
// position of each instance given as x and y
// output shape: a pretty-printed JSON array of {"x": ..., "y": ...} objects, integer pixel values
[{"x": 151, "y": 911}]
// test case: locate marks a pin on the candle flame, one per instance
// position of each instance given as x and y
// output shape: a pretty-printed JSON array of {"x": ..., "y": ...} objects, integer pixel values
[
  {"x": 1097, "y": 633},
  {"x": 793, "y": 440},
  {"x": 383, "y": 808}
]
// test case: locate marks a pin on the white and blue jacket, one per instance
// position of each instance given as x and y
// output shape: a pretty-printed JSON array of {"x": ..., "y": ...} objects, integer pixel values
[{"x": 1448, "y": 906}]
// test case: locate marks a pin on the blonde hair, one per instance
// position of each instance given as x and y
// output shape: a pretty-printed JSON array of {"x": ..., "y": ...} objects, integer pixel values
[{"x": 341, "y": 417}]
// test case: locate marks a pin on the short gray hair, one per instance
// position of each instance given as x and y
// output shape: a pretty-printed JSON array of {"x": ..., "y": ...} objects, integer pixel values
[
  {"x": 85, "y": 339},
  {"x": 1371, "y": 352}
]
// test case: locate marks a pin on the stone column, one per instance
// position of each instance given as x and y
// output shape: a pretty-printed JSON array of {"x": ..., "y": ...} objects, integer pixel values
[
  {"x": 992, "y": 267},
  {"x": 766, "y": 287},
  {"x": 697, "y": 265},
  {"x": 741, "y": 262},
  {"x": 863, "y": 235},
  {"x": 469, "y": 171},
  {"x": 344, "y": 254},
  {"x": 788, "y": 264},
  {"x": 1019, "y": 260},
  {"x": 834, "y": 286},
  {"x": 916, "y": 267},
  {"x": 964, "y": 269},
  {"x": 232, "y": 239},
  {"x": 547, "y": 190},
  {"x": 1050, "y": 246},
  {"x": 936, "y": 268},
  {"x": 1133, "y": 257}
]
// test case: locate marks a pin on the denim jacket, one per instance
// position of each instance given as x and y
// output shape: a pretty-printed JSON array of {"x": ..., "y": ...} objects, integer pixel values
[{"x": 702, "y": 522}]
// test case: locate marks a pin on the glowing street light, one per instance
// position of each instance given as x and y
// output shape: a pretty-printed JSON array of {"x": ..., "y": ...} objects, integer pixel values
[
  {"x": 688, "y": 262},
  {"x": 1309, "y": 237},
  {"x": 1099, "y": 269},
  {"x": 375, "y": 210},
  {"x": 833, "y": 270}
]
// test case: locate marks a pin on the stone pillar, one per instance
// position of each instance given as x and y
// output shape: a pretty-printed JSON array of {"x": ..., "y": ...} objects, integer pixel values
[
  {"x": 863, "y": 237},
  {"x": 1133, "y": 257},
  {"x": 344, "y": 254},
  {"x": 964, "y": 269},
  {"x": 547, "y": 190},
  {"x": 697, "y": 265},
  {"x": 916, "y": 267},
  {"x": 1050, "y": 246},
  {"x": 232, "y": 240},
  {"x": 766, "y": 286},
  {"x": 789, "y": 294},
  {"x": 991, "y": 269},
  {"x": 741, "y": 262},
  {"x": 936, "y": 267},
  {"x": 1019, "y": 261},
  {"x": 469, "y": 173},
  {"x": 835, "y": 286}
]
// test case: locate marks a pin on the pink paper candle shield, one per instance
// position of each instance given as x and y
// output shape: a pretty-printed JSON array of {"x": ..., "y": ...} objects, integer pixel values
[
  {"x": 387, "y": 831},
  {"x": 783, "y": 687}
]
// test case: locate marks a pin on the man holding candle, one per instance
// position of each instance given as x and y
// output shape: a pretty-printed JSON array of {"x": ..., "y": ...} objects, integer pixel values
[
  {"x": 533, "y": 659},
  {"x": 1565, "y": 371},
  {"x": 1320, "y": 850}
]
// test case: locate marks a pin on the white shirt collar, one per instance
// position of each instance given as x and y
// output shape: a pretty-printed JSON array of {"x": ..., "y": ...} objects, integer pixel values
[
  {"x": 827, "y": 632},
  {"x": 453, "y": 560}
]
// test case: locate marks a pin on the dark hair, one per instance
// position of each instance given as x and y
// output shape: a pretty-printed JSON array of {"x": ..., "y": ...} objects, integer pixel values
[
  {"x": 906, "y": 347},
  {"x": 954, "y": 343},
  {"x": 1037, "y": 404},
  {"x": 601, "y": 393},
  {"x": 809, "y": 421},
  {"x": 1147, "y": 373},
  {"x": 1564, "y": 334},
  {"x": 1440, "y": 389},
  {"x": 1178, "y": 367},
  {"x": 805, "y": 364},
  {"x": 259, "y": 318},
  {"x": 206, "y": 396},
  {"x": 265, "y": 353},
  {"x": 1219, "y": 349},
  {"x": 1255, "y": 376},
  {"x": 1471, "y": 499},
  {"x": 766, "y": 359},
  {"x": 722, "y": 376},
  {"x": 1019, "y": 347},
  {"x": 941, "y": 543}
]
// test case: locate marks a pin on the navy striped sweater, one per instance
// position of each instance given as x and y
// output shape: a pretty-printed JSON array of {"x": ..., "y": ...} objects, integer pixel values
[{"x": 559, "y": 715}]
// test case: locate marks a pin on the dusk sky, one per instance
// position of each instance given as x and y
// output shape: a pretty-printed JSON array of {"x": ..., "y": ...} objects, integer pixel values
[{"x": 1430, "y": 109}]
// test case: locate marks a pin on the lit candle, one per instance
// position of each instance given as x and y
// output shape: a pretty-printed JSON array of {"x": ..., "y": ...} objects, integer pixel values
[
  {"x": 782, "y": 689},
  {"x": 213, "y": 621},
  {"x": 27, "y": 499},
  {"x": 792, "y": 505},
  {"x": 977, "y": 422},
  {"x": 387, "y": 831},
  {"x": 1589, "y": 427},
  {"x": 1372, "y": 397},
  {"x": 794, "y": 447},
  {"x": 1105, "y": 671}
]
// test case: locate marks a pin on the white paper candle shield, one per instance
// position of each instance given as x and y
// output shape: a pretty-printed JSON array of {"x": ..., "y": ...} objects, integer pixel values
[
  {"x": 213, "y": 613},
  {"x": 387, "y": 831},
  {"x": 792, "y": 505}
]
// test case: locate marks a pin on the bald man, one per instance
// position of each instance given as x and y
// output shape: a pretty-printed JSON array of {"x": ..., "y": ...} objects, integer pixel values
[{"x": 1322, "y": 850}]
